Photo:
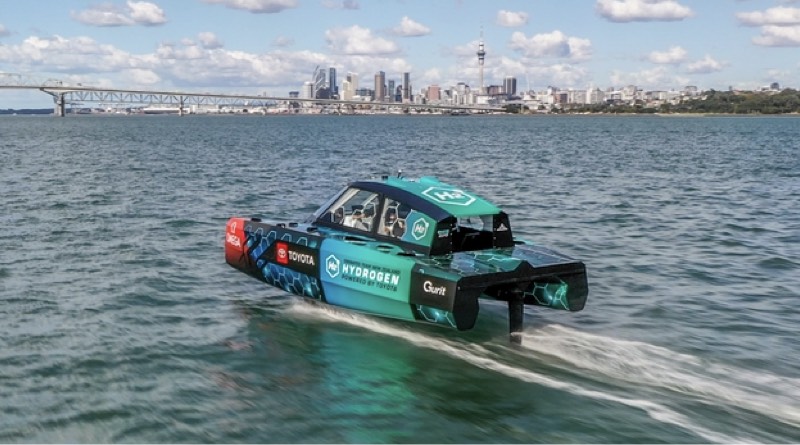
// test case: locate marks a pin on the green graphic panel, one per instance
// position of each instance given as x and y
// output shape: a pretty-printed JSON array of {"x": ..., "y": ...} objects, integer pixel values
[{"x": 419, "y": 229}]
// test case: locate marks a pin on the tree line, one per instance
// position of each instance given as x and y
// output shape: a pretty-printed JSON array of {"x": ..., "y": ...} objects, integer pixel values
[{"x": 712, "y": 101}]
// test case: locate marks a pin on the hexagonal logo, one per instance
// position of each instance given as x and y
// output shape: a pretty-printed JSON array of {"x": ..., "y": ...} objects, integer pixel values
[
  {"x": 445, "y": 195},
  {"x": 332, "y": 266},
  {"x": 420, "y": 229}
]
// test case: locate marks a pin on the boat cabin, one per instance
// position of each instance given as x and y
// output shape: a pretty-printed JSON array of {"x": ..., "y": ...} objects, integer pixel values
[{"x": 425, "y": 216}]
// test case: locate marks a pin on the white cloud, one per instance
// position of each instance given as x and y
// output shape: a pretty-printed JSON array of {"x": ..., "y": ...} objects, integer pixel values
[
  {"x": 193, "y": 66},
  {"x": 146, "y": 13},
  {"x": 257, "y": 6},
  {"x": 368, "y": 65},
  {"x": 642, "y": 10},
  {"x": 341, "y": 4},
  {"x": 511, "y": 19},
  {"x": 704, "y": 66},
  {"x": 465, "y": 51},
  {"x": 187, "y": 51},
  {"x": 4, "y": 32},
  {"x": 209, "y": 40},
  {"x": 674, "y": 55},
  {"x": 79, "y": 54},
  {"x": 192, "y": 63},
  {"x": 778, "y": 36},
  {"x": 778, "y": 74},
  {"x": 356, "y": 40},
  {"x": 554, "y": 44},
  {"x": 773, "y": 16},
  {"x": 283, "y": 41},
  {"x": 532, "y": 73},
  {"x": 103, "y": 15},
  {"x": 649, "y": 78},
  {"x": 410, "y": 28},
  {"x": 562, "y": 75},
  {"x": 431, "y": 76},
  {"x": 140, "y": 77},
  {"x": 134, "y": 13}
]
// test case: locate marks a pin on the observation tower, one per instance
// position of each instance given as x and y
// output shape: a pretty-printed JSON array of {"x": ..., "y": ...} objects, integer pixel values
[{"x": 481, "y": 54}]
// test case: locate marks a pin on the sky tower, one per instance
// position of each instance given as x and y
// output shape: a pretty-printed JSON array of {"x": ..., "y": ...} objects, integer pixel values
[{"x": 481, "y": 54}]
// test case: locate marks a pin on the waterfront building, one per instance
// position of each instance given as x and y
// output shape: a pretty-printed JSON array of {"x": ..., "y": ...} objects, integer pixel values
[
  {"x": 576, "y": 97},
  {"x": 353, "y": 79},
  {"x": 434, "y": 94},
  {"x": 629, "y": 94},
  {"x": 318, "y": 81},
  {"x": 366, "y": 92},
  {"x": 334, "y": 89},
  {"x": 347, "y": 90},
  {"x": 510, "y": 86},
  {"x": 461, "y": 94},
  {"x": 380, "y": 86},
  {"x": 308, "y": 90},
  {"x": 595, "y": 96}
]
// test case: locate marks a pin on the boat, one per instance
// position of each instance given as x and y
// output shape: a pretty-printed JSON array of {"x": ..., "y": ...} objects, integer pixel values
[{"x": 420, "y": 250}]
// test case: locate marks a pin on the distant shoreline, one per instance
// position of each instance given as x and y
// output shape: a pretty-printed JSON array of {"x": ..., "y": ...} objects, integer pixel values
[{"x": 50, "y": 112}]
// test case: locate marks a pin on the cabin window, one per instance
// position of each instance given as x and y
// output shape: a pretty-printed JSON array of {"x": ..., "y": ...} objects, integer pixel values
[
  {"x": 355, "y": 208},
  {"x": 473, "y": 233},
  {"x": 394, "y": 219}
]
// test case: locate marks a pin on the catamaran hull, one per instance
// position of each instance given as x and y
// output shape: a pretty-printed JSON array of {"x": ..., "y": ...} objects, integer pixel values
[{"x": 382, "y": 279}]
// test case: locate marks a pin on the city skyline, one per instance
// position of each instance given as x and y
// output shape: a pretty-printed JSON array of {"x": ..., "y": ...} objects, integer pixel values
[{"x": 273, "y": 46}]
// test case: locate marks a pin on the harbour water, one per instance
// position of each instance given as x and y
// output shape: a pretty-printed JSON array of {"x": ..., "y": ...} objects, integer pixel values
[{"x": 121, "y": 322}]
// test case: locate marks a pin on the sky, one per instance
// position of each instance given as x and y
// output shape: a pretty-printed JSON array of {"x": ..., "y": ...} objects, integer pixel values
[{"x": 273, "y": 46}]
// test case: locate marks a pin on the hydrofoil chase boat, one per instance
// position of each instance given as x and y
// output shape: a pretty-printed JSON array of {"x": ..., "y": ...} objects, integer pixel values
[{"x": 419, "y": 250}]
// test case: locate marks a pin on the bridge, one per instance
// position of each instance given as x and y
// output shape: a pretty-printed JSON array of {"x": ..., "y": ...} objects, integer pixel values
[{"x": 181, "y": 101}]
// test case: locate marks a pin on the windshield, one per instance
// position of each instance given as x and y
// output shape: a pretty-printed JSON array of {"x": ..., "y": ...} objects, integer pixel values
[
  {"x": 474, "y": 233},
  {"x": 354, "y": 208},
  {"x": 317, "y": 213},
  {"x": 478, "y": 222}
]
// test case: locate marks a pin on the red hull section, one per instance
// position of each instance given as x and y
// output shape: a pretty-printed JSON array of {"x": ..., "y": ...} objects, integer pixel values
[{"x": 235, "y": 249}]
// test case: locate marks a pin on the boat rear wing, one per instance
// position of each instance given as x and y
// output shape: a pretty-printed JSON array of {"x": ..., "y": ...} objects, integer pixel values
[{"x": 533, "y": 275}]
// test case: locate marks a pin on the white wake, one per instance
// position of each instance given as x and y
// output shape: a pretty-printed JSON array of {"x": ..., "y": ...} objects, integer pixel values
[
  {"x": 481, "y": 357},
  {"x": 644, "y": 364}
]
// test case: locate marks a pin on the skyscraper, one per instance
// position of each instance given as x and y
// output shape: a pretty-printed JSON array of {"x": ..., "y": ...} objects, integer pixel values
[
  {"x": 308, "y": 90},
  {"x": 434, "y": 93},
  {"x": 510, "y": 86},
  {"x": 318, "y": 82},
  {"x": 380, "y": 86},
  {"x": 353, "y": 79},
  {"x": 390, "y": 91},
  {"x": 332, "y": 82},
  {"x": 406, "y": 87}
]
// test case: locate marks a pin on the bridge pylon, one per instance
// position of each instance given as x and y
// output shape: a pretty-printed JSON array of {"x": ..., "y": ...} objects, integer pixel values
[{"x": 60, "y": 108}]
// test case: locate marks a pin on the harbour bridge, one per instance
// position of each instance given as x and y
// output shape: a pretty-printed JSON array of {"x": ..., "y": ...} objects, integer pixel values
[{"x": 181, "y": 101}]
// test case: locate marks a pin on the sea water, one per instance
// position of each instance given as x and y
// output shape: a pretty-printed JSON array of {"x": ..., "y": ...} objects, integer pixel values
[{"x": 121, "y": 322}]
